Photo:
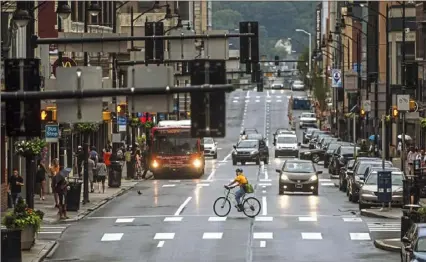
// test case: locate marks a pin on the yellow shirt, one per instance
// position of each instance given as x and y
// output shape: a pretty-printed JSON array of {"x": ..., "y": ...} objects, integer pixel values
[{"x": 241, "y": 179}]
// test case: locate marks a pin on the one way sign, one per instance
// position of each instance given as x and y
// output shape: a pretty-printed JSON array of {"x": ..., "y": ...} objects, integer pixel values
[{"x": 336, "y": 78}]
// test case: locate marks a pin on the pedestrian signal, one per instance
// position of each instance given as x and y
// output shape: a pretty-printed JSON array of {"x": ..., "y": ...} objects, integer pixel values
[
  {"x": 362, "y": 113},
  {"x": 394, "y": 112},
  {"x": 46, "y": 115},
  {"x": 413, "y": 106}
]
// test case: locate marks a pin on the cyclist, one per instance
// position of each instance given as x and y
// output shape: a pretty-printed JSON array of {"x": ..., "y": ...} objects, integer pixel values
[{"x": 241, "y": 181}]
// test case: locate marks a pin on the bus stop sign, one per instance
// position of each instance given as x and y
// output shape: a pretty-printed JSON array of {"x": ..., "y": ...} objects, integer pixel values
[{"x": 384, "y": 186}]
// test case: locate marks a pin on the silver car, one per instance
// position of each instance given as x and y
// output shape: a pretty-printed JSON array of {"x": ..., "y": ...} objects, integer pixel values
[
  {"x": 210, "y": 147},
  {"x": 368, "y": 192}
]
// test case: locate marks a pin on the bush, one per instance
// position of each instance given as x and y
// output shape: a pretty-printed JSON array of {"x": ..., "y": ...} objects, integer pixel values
[{"x": 22, "y": 217}]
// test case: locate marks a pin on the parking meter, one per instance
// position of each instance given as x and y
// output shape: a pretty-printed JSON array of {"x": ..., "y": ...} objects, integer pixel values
[{"x": 384, "y": 186}]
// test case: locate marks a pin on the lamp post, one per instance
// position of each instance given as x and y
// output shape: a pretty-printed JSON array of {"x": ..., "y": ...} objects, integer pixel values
[
  {"x": 310, "y": 46},
  {"x": 93, "y": 10}
]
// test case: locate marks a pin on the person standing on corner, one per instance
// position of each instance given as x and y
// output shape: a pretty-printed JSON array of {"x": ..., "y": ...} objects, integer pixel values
[
  {"x": 102, "y": 171},
  {"x": 15, "y": 186},
  {"x": 61, "y": 188},
  {"x": 91, "y": 168},
  {"x": 54, "y": 170},
  {"x": 41, "y": 179}
]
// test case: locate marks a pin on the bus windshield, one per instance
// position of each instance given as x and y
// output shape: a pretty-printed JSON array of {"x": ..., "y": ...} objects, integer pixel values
[{"x": 175, "y": 145}]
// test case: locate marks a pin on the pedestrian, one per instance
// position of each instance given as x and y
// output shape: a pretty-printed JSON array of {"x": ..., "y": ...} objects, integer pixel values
[
  {"x": 102, "y": 173},
  {"x": 79, "y": 159},
  {"x": 107, "y": 157},
  {"x": 54, "y": 170},
  {"x": 15, "y": 186},
  {"x": 90, "y": 168},
  {"x": 41, "y": 179},
  {"x": 61, "y": 188},
  {"x": 145, "y": 159}
]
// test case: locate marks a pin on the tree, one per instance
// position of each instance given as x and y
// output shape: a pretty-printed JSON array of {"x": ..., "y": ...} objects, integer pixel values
[
  {"x": 303, "y": 66},
  {"x": 227, "y": 19}
]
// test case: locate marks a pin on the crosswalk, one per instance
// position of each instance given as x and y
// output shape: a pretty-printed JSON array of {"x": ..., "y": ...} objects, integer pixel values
[
  {"x": 384, "y": 226},
  {"x": 256, "y": 99},
  {"x": 51, "y": 232}
]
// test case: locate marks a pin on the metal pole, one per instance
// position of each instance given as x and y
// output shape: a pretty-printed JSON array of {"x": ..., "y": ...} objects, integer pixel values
[
  {"x": 376, "y": 90},
  {"x": 403, "y": 143},
  {"x": 354, "y": 132},
  {"x": 383, "y": 140},
  {"x": 403, "y": 87},
  {"x": 132, "y": 28},
  {"x": 358, "y": 80},
  {"x": 86, "y": 21},
  {"x": 115, "y": 128},
  {"x": 388, "y": 92},
  {"x": 310, "y": 53}
]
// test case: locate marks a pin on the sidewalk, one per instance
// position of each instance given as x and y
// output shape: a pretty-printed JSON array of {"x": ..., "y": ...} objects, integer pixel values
[
  {"x": 43, "y": 248},
  {"x": 392, "y": 245},
  {"x": 394, "y": 213}
]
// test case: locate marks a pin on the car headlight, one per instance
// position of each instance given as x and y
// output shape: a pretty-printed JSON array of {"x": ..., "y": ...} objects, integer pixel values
[
  {"x": 295, "y": 147},
  {"x": 155, "y": 164},
  {"x": 254, "y": 152},
  {"x": 197, "y": 163},
  {"x": 284, "y": 177},
  {"x": 313, "y": 178}
]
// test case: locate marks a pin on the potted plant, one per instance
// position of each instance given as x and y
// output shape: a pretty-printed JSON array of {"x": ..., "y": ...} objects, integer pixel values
[
  {"x": 148, "y": 125},
  {"x": 135, "y": 122},
  {"x": 29, "y": 148},
  {"x": 25, "y": 219},
  {"x": 86, "y": 127}
]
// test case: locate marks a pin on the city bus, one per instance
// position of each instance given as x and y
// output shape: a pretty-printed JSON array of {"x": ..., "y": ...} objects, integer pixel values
[{"x": 174, "y": 152}]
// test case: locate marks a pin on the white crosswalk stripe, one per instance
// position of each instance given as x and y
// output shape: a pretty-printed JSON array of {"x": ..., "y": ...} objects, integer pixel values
[{"x": 384, "y": 226}]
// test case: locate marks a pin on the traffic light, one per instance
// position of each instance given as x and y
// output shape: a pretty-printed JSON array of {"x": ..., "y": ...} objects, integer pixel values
[
  {"x": 122, "y": 109},
  {"x": 362, "y": 113},
  {"x": 395, "y": 112},
  {"x": 46, "y": 116},
  {"x": 106, "y": 116},
  {"x": 154, "y": 49},
  {"x": 254, "y": 42},
  {"x": 413, "y": 105},
  {"x": 244, "y": 43},
  {"x": 277, "y": 60}
]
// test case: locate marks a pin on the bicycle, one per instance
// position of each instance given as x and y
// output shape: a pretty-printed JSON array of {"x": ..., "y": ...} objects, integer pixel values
[{"x": 225, "y": 204}]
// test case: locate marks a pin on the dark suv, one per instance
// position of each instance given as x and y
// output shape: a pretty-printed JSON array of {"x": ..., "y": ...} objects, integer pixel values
[
  {"x": 250, "y": 151},
  {"x": 340, "y": 158}
]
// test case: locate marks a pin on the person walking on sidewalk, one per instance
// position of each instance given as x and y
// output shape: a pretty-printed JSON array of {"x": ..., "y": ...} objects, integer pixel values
[
  {"x": 102, "y": 173},
  {"x": 61, "y": 188},
  {"x": 54, "y": 170},
  {"x": 41, "y": 179},
  {"x": 91, "y": 168},
  {"x": 15, "y": 186}
]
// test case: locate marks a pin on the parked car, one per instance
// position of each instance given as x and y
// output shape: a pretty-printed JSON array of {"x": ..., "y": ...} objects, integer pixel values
[
  {"x": 414, "y": 244},
  {"x": 250, "y": 151},
  {"x": 339, "y": 159},
  {"x": 308, "y": 119},
  {"x": 368, "y": 191},
  {"x": 298, "y": 85},
  {"x": 315, "y": 155},
  {"x": 210, "y": 147},
  {"x": 329, "y": 151},
  {"x": 307, "y": 134},
  {"x": 298, "y": 175}
]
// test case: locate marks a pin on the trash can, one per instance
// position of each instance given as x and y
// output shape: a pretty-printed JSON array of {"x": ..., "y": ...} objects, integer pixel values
[
  {"x": 405, "y": 225},
  {"x": 114, "y": 174},
  {"x": 74, "y": 195},
  {"x": 11, "y": 245}
]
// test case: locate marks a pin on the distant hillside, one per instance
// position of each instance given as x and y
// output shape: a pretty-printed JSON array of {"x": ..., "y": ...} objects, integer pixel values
[{"x": 276, "y": 19}]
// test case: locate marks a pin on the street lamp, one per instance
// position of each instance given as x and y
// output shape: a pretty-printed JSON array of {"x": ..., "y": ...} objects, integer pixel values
[
  {"x": 63, "y": 10},
  {"x": 310, "y": 46},
  {"x": 94, "y": 9},
  {"x": 21, "y": 17}
]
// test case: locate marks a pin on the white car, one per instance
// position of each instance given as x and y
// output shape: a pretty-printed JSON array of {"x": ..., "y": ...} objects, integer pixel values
[
  {"x": 308, "y": 120},
  {"x": 210, "y": 147},
  {"x": 286, "y": 145},
  {"x": 298, "y": 85}
]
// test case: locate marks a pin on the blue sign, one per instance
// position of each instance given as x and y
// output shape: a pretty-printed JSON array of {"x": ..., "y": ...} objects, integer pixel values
[
  {"x": 52, "y": 133},
  {"x": 121, "y": 120},
  {"x": 384, "y": 186},
  {"x": 161, "y": 116},
  {"x": 336, "y": 80},
  {"x": 355, "y": 67}
]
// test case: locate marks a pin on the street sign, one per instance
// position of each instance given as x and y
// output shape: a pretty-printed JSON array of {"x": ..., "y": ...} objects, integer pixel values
[
  {"x": 121, "y": 120},
  {"x": 52, "y": 133},
  {"x": 337, "y": 78},
  {"x": 66, "y": 62},
  {"x": 366, "y": 105},
  {"x": 403, "y": 102},
  {"x": 384, "y": 186}
]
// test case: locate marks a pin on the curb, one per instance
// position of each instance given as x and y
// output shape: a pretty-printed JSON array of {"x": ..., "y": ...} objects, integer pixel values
[
  {"x": 48, "y": 252},
  {"x": 366, "y": 213},
  {"x": 383, "y": 246}
]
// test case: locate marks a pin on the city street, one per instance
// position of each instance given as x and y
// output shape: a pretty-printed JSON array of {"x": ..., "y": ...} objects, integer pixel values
[{"x": 173, "y": 220}]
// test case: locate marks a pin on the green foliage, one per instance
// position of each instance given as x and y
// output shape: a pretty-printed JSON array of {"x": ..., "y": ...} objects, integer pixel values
[
  {"x": 319, "y": 90},
  {"x": 135, "y": 122},
  {"x": 86, "y": 127},
  {"x": 28, "y": 148},
  {"x": 149, "y": 124},
  {"x": 277, "y": 20},
  {"x": 22, "y": 217},
  {"x": 303, "y": 67},
  {"x": 423, "y": 122},
  {"x": 141, "y": 139}
]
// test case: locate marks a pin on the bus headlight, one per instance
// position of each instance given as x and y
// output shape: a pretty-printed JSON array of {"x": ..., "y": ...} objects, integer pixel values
[
  {"x": 197, "y": 163},
  {"x": 155, "y": 164}
]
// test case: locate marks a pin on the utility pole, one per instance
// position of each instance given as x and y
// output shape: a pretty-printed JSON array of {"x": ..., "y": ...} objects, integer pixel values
[
  {"x": 376, "y": 88},
  {"x": 85, "y": 135},
  {"x": 403, "y": 87},
  {"x": 388, "y": 137}
]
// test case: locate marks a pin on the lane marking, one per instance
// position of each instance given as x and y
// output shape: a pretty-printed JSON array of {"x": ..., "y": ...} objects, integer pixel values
[
  {"x": 263, "y": 235},
  {"x": 112, "y": 237},
  {"x": 173, "y": 219},
  {"x": 53, "y": 232},
  {"x": 266, "y": 176},
  {"x": 180, "y": 209},
  {"x": 352, "y": 219},
  {"x": 311, "y": 236},
  {"x": 265, "y": 184},
  {"x": 248, "y": 94},
  {"x": 235, "y": 101},
  {"x": 384, "y": 227},
  {"x": 269, "y": 101},
  {"x": 278, "y": 96},
  {"x": 327, "y": 184},
  {"x": 160, "y": 243},
  {"x": 164, "y": 236},
  {"x": 264, "y": 191},
  {"x": 174, "y": 181},
  {"x": 279, "y": 101},
  {"x": 124, "y": 220},
  {"x": 168, "y": 185},
  {"x": 210, "y": 177},
  {"x": 212, "y": 235},
  {"x": 264, "y": 206},
  {"x": 265, "y": 180},
  {"x": 264, "y": 219},
  {"x": 257, "y": 96},
  {"x": 359, "y": 236},
  {"x": 52, "y": 227},
  {"x": 236, "y": 97},
  {"x": 257, "y": 101},
  {"x": 308, "y": 219},
  {"x": 324, "y": 180},
  {"x": 217, "y": 219},
  {"x": 267, "y": 93},
  {"x": 262, "y": 243},
  {"x": 203, "y": 184}
]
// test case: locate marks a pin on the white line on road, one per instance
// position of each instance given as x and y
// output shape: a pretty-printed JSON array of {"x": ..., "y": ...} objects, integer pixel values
[
  {"x": 264, "y": 219},
  {"x": 124, "y": 220},
  {"x": 263, "y": 235},
  {"x": 267, "y": 93},
  {"x": 263, "y": 243},
  {"x": 265, "y": 184},
  {"x": 217, "y": 219},
  {"x": 307, "y": 219},
  {"x": 161, "y": 243},
  {"x": 180, "y": 209},
  {"x": 174, "y": 181},
  {"x": 327, "y": 184},
  {"x": 312, "y": 236},
  {"x": 257, "y": 101},
  {"x": 279, "y": 101},
  {"x": 112, "y": 237},
  {"x": 202, "y": 185},
  {"x": 212, "y": 235},
  {"x": 173, "y": 219},
  {"x": 266, "y": 175},
  {"x": 248, "y": 94},
  {"x": 210, "y": 177},
  {"x": 168, "y": 185},
  {"x": 264, "y": 206},
  {"x": 164, "y": 236},
  {"x": 324, "y": 180},
  {"x": 265, "y": 180},
  {"x": 264, "y": 191},
  {"x": 360, "y": 236},
  {"x": 352, "y": 219},
  {"x": 53, "y": 232}
]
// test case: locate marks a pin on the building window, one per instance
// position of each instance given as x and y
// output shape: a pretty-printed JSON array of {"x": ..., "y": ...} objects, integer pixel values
[
  {"x": 80, "y": 12},
  {"x": 409, "y": 56},
  {"x": 184, "y": 10},
  {"x": 74, "y": 11},
  {"x": 144, "y": 6}
]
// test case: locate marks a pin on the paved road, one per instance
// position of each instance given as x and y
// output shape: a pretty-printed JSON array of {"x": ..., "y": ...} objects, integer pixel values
[{"x": 173, "y": 220}]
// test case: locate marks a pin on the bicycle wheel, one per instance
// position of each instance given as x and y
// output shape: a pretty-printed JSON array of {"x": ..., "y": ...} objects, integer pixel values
[
  {"x": 222, "y": 207},
  {"x": 251, "y": 207}
]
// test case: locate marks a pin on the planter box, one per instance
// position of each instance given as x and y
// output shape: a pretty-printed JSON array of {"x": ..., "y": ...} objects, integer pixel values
[{"x": 27, "y": 238}]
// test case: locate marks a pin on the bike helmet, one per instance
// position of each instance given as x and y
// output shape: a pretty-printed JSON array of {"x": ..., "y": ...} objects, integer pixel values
[{"x": 238, "y": 170}]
